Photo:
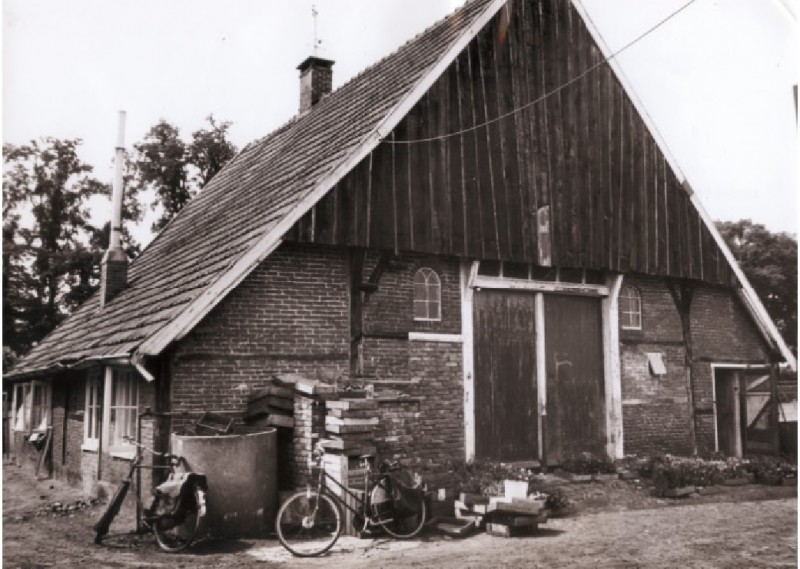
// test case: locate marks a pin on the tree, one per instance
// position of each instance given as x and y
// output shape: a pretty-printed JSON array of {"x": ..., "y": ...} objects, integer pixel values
[
  {"x": 769, "y": 260},
  {"x": 210, "y": 150},
  {"x": 160, "y": 161},
  {"x": 45, "y": 248},
  {"x": 175, "y": 170}
]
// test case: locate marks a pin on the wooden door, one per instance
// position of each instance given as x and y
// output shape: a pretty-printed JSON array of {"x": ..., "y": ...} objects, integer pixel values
[
  {"x": 726, "y": 389},
  {"x": 759, "y": 419},
  {"x": 575, "y": 420},
  {"x": 505, "y": 376}
]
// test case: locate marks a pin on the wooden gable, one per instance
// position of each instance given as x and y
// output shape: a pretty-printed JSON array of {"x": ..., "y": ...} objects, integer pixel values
[{"x": 577, "y": 152}]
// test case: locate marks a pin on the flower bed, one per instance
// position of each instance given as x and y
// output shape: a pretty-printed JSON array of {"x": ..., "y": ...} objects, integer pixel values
[{"x": 669, "y": 472}]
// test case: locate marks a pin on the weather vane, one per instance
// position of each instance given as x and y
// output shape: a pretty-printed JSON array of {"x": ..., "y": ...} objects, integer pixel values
[{"x": 314, "y": 14}]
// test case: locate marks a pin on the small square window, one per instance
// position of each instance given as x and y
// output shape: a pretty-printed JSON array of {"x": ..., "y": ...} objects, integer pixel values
[
  {"x": 515, "y": 270},
  {"x": 489, "y": 268}
]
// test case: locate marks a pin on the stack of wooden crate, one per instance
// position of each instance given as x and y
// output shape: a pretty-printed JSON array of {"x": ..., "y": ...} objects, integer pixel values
[
  {"x": 513, "y": 514},
  {"x": 272, "y": 406},
  {"x": 350, "y": 426}
]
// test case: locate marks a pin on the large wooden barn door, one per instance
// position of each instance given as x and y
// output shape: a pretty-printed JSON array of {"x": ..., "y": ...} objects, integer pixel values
[
  {"x": 575, "y": 420},
  {"x": 505, "y": 376}
]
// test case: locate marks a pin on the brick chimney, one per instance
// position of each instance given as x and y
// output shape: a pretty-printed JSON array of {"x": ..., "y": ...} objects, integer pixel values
[
  {"x": 114, "y": 266},
  {"x": 316, "y": 81}
]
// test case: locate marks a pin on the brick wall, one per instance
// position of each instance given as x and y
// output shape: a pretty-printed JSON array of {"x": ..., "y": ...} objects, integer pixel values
[
  {"x": 655, "y": 409},
  {"x": 391, "y": 308},
  {"x": 290, "y": 315},
  {"x": 722, "y": 332},
  {"x": 426, "y": 428},
  {"x": 389, "y": 314},
  {"x": 655, "y": 414}
]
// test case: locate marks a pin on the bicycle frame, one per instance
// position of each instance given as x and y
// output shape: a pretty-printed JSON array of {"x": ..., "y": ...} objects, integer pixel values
[{"x": 362, "y": 504}]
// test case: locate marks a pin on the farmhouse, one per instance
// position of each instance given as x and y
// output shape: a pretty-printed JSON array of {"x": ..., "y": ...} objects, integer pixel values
[{"x": 484, "y": 226}]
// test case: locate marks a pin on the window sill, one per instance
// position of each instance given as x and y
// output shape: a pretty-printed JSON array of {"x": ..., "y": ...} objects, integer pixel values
[
  {"x": 435, "y": 337},
  {"x": 90, "y": 446}
]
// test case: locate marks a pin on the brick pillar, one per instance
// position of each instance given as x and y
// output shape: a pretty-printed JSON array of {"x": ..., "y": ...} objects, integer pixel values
[{"x": 309, "y": 424}]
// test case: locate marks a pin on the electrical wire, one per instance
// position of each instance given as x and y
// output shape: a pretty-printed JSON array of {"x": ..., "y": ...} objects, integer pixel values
[{"x": 550, "y": 93}]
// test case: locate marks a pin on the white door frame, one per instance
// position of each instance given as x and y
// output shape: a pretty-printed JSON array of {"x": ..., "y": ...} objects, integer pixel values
[
  {"x": 470, "y": 281},
  {"x": 739, "y": 443}
]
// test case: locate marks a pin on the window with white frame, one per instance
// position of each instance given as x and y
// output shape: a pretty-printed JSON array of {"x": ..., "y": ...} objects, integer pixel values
[
  {"x": 427, "y": 295},
  {"x": 40, "y": 406},
  {"x": 122, "y": 388},
  {"x": 20, "y": 420},
  {"x": 93, "y": 416},
  {"x": 630, "y": 308},
  {"x": 31, "y": 406}
]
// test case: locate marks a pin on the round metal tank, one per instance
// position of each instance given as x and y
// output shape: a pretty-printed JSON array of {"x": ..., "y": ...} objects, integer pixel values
[{"x": 242, "y": 480}]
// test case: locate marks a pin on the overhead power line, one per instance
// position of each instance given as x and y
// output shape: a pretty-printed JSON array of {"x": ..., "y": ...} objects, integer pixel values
[{"x": 550, "y": 93}]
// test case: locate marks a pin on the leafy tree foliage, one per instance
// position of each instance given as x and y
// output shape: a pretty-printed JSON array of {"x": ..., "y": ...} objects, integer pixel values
[
  {"x": 51, "y": 251},
  {"x": 210, "y": 150},
  {"x": 770, "y": 262},
  {"x": 176, "y": 170},
  {"x": 47, "y": 258}
]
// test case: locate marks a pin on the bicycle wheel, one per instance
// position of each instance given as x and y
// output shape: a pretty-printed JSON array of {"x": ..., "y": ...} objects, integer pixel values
[
  {"x": 173, "y": 534},
  {"x": 400, "y": 524},
  {"x": 309, "y": 523}
]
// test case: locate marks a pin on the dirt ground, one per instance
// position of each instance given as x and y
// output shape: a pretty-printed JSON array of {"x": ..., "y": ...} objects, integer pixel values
[{"x": 616, "y": 524}]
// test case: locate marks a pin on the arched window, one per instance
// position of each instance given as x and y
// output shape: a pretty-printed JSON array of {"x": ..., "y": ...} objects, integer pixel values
[
  {"x": 427, "y": 295},
  {"x": 630, "y": 308}
]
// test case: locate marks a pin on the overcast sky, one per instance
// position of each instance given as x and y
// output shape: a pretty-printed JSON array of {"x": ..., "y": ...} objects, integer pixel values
[{"x": 716, "y": 79}]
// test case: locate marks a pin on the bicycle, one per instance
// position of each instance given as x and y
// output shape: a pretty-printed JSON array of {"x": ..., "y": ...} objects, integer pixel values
[
  {"x": 176, "y": 511},
  {"x": 310, "y": 522}
]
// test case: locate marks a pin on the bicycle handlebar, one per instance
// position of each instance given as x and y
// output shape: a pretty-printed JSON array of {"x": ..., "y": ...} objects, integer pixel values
[{"x": 170, "y": 457}]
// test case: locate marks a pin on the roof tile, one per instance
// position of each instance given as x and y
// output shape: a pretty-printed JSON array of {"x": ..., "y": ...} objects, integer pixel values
[{"x": 244, "y": 202}]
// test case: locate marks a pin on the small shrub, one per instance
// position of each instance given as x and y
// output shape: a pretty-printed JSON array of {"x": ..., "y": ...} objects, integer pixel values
[
  {"x": 557, "y": 500},
  {"x": 676, "y": 472},
  {"x": 771, "y": 471}
]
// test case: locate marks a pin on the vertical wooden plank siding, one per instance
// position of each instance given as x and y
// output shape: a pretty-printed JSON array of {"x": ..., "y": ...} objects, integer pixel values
[
  {"x": 487, "y": 142},
  {"x": 455, "y": 181},
  {"x": 483, "y": 246},
  {"x": 519, "y": 162},
  {"x": 475, "y": 189}
]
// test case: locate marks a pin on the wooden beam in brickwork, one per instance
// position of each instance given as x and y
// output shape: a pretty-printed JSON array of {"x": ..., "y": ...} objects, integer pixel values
[{"x": 682, "y": 293}]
